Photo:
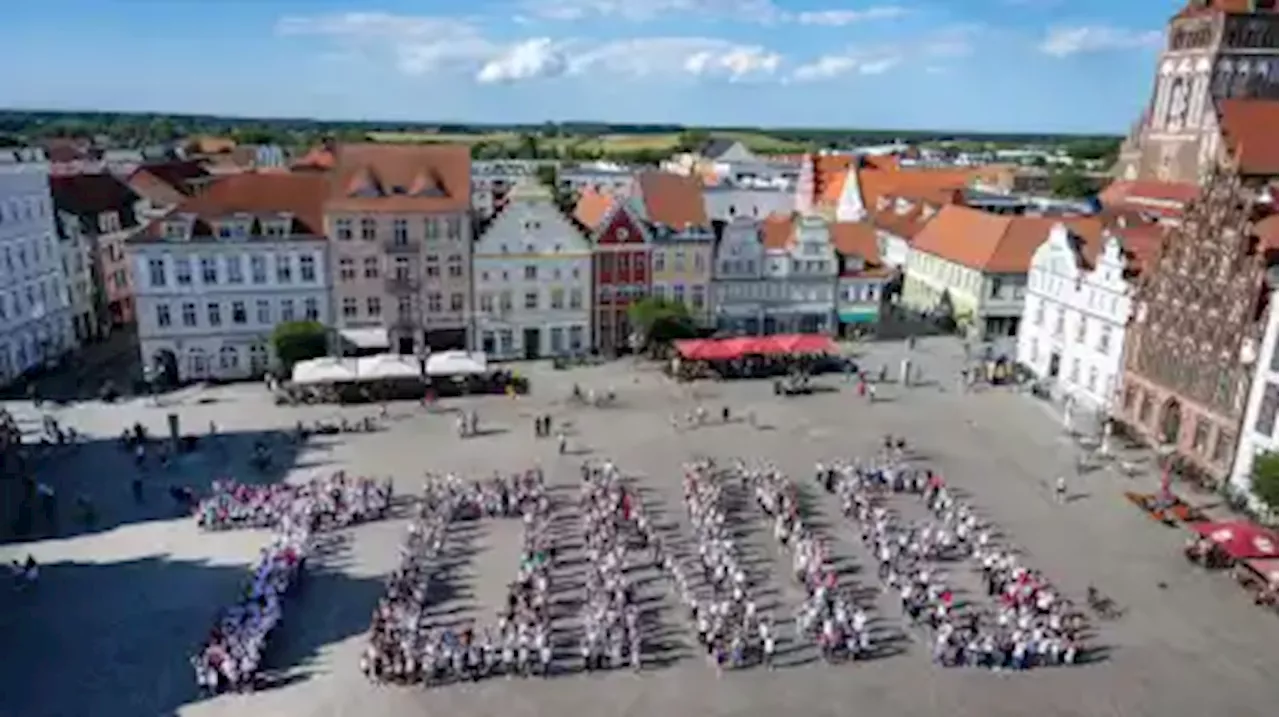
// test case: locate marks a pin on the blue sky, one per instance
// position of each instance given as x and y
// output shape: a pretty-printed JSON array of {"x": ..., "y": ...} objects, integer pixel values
[{"x": 1001, "y": 65}]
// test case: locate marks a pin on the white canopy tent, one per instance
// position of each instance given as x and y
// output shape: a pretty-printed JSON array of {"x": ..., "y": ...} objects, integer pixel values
[
  {"x": 371, "y": 338},
  {"x": 388, "y": 366},
  {"x": 456, "y": 363},
  {"x": 324, "y": 370}
]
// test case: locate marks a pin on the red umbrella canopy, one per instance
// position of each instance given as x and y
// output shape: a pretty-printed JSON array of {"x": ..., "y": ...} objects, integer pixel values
[{"x": 1240, "y": 539}]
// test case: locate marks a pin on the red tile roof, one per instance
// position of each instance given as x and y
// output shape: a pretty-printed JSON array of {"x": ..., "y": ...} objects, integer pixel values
[
  {"x": 370, "y": 177},
  {"x": 993, "y": 243},
  {"x": 1251, "y": 132},
  {"x": 1162, "y": 198},
  {"x": 673, "y": 200},
  {"x": 257, "y": 194},
  {"x": 1268, "y": 231},
  {"x": 1233, "y": 7},
  {"x": 777, "y": 231},
  {"x": 592, "y": 208},
  {"x": 88, "y": 195},
  {"x": 320, "y": 158}
]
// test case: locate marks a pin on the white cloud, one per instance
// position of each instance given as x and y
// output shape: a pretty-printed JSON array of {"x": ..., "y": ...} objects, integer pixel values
[
  {"x": 1066, "y": 41},
  {"x": 840, "y": 18},
  {"x": 425, "y": 45},
  {"x": 752, "y": 11},
  {"x": 698, "y": 56},
  {"x": 531, "y": 59},
  {"x": 951, "y": 42}
]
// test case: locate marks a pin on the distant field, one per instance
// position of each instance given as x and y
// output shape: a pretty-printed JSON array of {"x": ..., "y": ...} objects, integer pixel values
[{"x": 605, "y": 144}]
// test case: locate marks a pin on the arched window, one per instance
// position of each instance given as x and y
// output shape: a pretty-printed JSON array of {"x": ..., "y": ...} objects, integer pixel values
[
  {"x": 197, "y": 363},
  {"x": 228, "y": 358}
]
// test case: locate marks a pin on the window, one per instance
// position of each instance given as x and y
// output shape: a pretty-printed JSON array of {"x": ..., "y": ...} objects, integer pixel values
[
  {"x": 624, "y": 263},
  {"x": 215, "y": 313},
  {"x": 1035, "y": 350},
  {"x": 307, "y": 268},
  {"x": 263, "y": 309},
  {"x": 557, "y": 298},
  {"x": 557, "y": 340},
  {"x": 286, "y": 310},
  {"x": 530, "y": 272},
  {"x": 371, "y": 269},
  {"x": 430, "y": 229},
  {"x": 997, "y": 287},
  {"x": 188, "y": 313},
  {"x": 530, "y": 299},
  {"x": 576, "y": 334},
  {"x": 455, "y": 266},
  {"x": 235, "y": 270},
  {"x": 1092, "y": 385},
  {"x": 699, "y": 296},
  {"x": 284, "y": 268},
  {"x": 239, "y": 313},
  {"x": 401, "y": 268},
  {"x": 1074, "y": 376},
  {"x": 346, "y": 268},
  {"x": 1268, "y": 407},
  {"x": 1200, "y": 439},
  {"x": 506, "y": 341},
  {"x": 1104, "y": 339},
  {"x": 700, "y": 261},
  {"x": 454, "y": 228},
  {"x": 373, "y": 306},
  {"x": 343, "y": 228},
  {"x": 486, "y": 303},
  {"x": 311, "y": 308},
  {"x": 400, "y": 231},
  {"x": 1082, "y": 329},
  {"x": 258, "y": 268},
  {"x": 435, "y": 302},
  {"x": 659, "y": 260},
  {"x": 660, "y": 291},
  {"x": 404, "y": 308},
  {"x": 432, "y": 265},
  {"x": 368, "y": 228},
  {"x": 155, "y": 268},
  {"x": 208, "y": 270},
  {"x": 1059, "y": 324},
  {"x": 677, "y": 293},
  {"x": 679, "y": 260},
  {"x": 575, "y": 298},
  {"x": 163, "y": 318},
  {"x": 504, "y": 301},
  {"x": 457, "y": 301},
  {"x": 182, "y": 270}
]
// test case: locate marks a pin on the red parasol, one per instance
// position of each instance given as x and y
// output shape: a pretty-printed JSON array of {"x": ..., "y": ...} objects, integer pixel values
[
  {"x": 1240, "y": 539},
  {"x": 1268, "y": 568}
]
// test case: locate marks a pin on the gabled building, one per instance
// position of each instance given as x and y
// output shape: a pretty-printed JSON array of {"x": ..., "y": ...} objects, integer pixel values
[
  {"x": 800, "y": 274},
  {"x": 1198, "y": 322},
  {"x": 1078, "y": 306},
  {"x": 105, "y": 213},
  {"x": 398, "y": 217},
  {"x": 682, "y": 240},
  {"x": 969, "y": 268},
  {"x": 738, "y": 289},
  {"x": 217, "y": 274},
  {"x": 621, "y": 247},
  {"x": 862, "y": 285},
  {"x": 532, "y": 279},
  {"x": 165, "y": 185},
  {"x": 36, "y": 324}
]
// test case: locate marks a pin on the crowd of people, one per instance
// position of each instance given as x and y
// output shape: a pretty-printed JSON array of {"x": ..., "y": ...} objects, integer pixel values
[
  {"x": 829, "y": 614},
  {"x": 231, "y": 656},
  {"x": 1028, "y": 624},
  {"x": 612, "y": 526},
  {"x": 404, "y": 647},
  {"x": 335, "y": 501}
]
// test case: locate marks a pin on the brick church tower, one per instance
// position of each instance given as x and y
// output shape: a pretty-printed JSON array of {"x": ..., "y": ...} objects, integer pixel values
[{"x": 1214, "y": 50}]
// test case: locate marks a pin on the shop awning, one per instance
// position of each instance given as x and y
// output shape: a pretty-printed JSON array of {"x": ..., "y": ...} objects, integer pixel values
[
  {"x": 860, "y": 315},
  {"x": 370, "y": 338},
  {"x": 1240, "y": 539},
  {"x": 729, "y": 349}
]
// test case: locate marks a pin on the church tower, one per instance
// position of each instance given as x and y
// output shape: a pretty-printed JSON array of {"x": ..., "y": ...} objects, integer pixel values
[{"x": 1214, "y": 50}]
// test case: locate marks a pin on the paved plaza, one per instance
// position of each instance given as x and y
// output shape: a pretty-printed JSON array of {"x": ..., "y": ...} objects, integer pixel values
[{"x": 109, "y": 629}]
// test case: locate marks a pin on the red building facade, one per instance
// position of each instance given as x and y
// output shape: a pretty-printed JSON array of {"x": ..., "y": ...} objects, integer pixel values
[{"x": 620, "y": 268}]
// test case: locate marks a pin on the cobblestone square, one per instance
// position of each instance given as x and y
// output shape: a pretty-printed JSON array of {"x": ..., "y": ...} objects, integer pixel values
[{"x": 109, "y": 629}]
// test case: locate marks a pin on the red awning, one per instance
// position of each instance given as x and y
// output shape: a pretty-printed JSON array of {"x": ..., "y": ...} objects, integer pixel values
[
  {"x": 729, "y": 349},
  {"x": 1240, "y": 539},
  {"x": 1268, "y": 568}
]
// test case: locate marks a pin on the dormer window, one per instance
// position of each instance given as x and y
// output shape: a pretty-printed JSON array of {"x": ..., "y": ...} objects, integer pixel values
[
  {"x": 276, "y": 228},
  {"x": 177, "y": 229}
]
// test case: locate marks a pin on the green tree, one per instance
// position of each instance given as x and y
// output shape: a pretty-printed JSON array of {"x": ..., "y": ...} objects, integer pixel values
[
  {"x": 691, "y": 139},
  {"x": 1264, "y": 479},
  {"x": 296, "y": 341},
  {"x": 1070, "y": 183},
  {"x": 660, "y": 321}
]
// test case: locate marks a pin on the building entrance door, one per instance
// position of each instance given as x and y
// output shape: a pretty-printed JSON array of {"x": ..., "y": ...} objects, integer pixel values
[
  {"x": 532, "y": 343},
  {"x": 1055, "y": 364}
]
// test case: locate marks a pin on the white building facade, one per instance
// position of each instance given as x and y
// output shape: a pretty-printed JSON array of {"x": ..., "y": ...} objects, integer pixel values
[
  {"x": 1073, "y": 324},
  {"x": 800, "y": 279},
  {"x": 1258, "y": 431},
  {"x": 207, "y": 305},
  {"x": 532, "y": 269},
  {"x": 35, "y": 315}
]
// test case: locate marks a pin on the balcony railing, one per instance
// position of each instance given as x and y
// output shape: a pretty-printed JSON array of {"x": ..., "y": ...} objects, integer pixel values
[
  {"x": 395, "y": 246},
  {"x": 403, "y": 285}
]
